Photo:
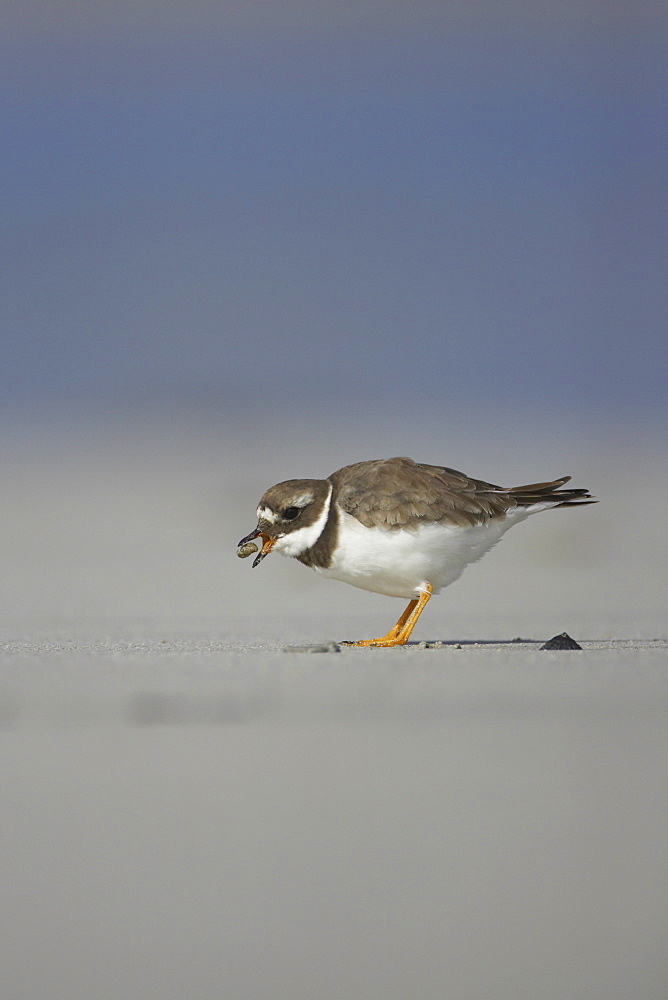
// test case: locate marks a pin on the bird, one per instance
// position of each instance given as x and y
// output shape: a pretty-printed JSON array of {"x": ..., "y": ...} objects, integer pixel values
[{"x": 396, "y": 527}]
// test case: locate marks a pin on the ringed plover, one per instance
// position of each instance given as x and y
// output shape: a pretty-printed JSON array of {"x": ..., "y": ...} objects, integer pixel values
[{"x": 396, "y": 527}]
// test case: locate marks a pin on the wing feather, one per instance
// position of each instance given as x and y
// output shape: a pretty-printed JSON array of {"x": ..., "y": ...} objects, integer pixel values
[{"x": 398, "y": 493}]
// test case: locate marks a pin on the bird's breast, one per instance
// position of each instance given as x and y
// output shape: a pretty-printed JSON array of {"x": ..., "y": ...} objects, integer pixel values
[{"x": 398, "y": 563}]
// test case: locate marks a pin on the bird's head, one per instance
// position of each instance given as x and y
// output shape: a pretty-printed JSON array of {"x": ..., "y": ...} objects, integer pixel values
[{"x": 291, "y": 517}]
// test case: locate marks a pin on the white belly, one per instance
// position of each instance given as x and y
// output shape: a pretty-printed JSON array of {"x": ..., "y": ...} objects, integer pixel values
[{"x": 401, "y": 563}]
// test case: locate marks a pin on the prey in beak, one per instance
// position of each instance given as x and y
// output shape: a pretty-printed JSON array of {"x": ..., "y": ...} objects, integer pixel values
[{"x": 267, "y": 545}]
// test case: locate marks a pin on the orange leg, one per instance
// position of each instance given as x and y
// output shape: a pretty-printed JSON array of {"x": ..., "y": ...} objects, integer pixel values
[{"x": 399, "y": 634}]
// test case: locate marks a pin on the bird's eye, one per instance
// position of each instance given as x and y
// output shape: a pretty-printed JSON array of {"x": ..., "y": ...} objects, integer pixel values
[{"x": 290, "y": 513}]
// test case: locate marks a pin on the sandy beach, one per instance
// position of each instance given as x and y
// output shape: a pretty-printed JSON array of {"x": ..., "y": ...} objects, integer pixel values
[{"x": 191, "y": 818}]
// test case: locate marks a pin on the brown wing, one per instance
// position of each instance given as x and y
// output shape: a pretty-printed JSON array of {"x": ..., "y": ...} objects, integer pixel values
[{"x": 400, "y": 493}]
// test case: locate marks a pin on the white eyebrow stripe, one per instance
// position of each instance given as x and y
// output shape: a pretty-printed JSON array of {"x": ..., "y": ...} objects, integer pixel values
[{"x": 303, "y": 500}]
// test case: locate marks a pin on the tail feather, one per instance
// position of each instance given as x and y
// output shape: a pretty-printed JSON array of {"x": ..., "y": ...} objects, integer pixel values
[{"x": 525, "y": 496}]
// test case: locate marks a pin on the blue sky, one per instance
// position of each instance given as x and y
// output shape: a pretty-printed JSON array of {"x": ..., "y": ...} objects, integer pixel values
[{"x": 338, "y": 199}]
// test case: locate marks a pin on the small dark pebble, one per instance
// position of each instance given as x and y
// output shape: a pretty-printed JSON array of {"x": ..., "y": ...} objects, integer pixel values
[
  {"x": 327, "y": 647},
  {"x": 562, "y": 641}
]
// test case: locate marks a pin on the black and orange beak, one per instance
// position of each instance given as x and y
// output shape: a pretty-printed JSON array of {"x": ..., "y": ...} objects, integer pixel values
[{"x": 267, "y": 544}]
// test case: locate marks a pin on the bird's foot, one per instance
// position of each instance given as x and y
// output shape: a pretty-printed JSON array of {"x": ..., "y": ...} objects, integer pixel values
[
  {"x": 399, "y": 634},
  {"x": 385, "y": 641}
]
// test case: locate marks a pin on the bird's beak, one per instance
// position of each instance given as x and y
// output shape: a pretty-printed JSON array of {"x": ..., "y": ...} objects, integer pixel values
[{"x": 267, "y": 544}]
